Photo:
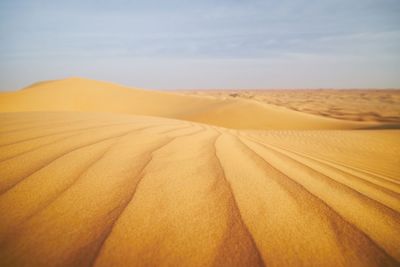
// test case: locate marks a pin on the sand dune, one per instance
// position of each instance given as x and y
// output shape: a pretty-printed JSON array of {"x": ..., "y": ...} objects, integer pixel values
[
  {"x": 76, "y": 94},
  {"x": 112, "y": 181},
  {"x": 374, "y": 105}
]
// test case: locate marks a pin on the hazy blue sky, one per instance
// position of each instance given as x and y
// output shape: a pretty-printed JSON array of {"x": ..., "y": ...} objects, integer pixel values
[{"x": 202, "y": 44}]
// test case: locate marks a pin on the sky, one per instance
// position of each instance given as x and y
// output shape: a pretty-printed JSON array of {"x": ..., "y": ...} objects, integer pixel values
[{"x": 178, "y": 44}]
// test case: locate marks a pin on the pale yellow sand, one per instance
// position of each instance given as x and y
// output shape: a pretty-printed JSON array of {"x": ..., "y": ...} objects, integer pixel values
[{"x": 113, "y": 189}]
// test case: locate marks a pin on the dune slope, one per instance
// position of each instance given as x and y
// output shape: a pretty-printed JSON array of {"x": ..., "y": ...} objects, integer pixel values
[
  {"x": 76, "y": 94},
  {"x": 96, "y": 189}
]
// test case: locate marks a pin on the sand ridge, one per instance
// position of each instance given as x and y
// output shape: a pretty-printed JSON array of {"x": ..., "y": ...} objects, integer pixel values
[
  {"x": 77, "y": 94},
  {"x": 81, "y": 188}
]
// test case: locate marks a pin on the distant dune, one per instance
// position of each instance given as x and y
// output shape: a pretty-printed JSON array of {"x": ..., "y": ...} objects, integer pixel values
[
  {"x": 95, "y": 174},
  {"x": 77, "y": 94},
  {"x": 374, "y": 105}
]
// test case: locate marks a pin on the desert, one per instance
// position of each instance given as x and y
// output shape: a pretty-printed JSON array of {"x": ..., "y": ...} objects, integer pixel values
[{"x": 97, "y": 174}]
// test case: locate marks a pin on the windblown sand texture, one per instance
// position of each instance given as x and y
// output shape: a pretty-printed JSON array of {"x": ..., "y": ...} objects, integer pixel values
[{"x": 95, "y": 174}]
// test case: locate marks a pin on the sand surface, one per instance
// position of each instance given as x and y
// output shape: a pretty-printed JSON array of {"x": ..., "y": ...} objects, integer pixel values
[
  {"x": 346, "y": 104},
  {"x": 77, "y": 94},
  {"x": 93, "y": 174}
]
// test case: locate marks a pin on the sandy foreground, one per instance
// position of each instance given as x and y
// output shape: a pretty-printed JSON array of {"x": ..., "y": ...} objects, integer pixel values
[{"x": 95, "y": 174}]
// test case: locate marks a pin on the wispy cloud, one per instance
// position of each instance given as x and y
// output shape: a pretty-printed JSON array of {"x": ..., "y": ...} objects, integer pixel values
[{"x": 192, "y": 31}]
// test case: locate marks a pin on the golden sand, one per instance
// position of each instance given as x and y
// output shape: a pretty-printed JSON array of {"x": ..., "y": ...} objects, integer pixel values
[{"x": 94, "y": 174}]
